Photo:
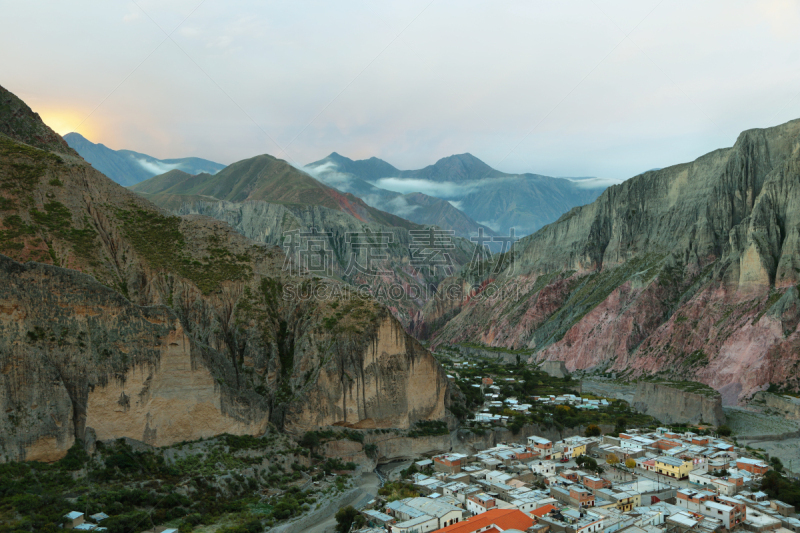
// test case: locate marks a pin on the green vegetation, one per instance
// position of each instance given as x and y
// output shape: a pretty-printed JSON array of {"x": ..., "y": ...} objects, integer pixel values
[
  {"x": 347, "y": 518},
  {"x": 427, "y": 428},
  {"x": 523, "y": 382},
  {"x": 26, "y": 165},
  {"x": 397, "y": 490},
  {"x": 588, "y": 463},
  {"x": 15, "y": 229},
  {"x": 772, "y": 300},
  {"x": 696, "y": 358},
  {"x": 781, "y": 488},
  {"x": 58, "y": 221},
  {"x": 159, "y": 240},
  {"x": 694, "y": 387},
  {"x": 724, "y": 431},
  {"x": 218, "y": 480}
]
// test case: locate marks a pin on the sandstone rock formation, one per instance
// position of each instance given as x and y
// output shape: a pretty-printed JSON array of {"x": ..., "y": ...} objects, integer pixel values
[
  {"x": 674, "y": 405},
  {"x": 687, "y": 271},
  {"x": 132, "y": 323}
]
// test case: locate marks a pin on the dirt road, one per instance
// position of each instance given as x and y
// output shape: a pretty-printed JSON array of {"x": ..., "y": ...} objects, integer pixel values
[{"x": 369, "y": 483}]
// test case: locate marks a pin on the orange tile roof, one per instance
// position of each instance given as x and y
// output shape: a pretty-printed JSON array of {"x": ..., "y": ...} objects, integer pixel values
[
  {"x": 502, "y": 518},
  {"x": 541, "y": 511}
]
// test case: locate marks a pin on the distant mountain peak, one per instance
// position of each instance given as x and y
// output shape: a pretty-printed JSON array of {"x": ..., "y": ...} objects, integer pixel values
[{"x": 127, "y": 167}]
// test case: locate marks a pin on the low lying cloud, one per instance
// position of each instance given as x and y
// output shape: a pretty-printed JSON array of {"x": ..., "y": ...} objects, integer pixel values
[
  {"x": 398, "y": 206},
  {"x": 594, "y": 183},
  {"x": 373, "y": 196},
  {"x": 441, "y": 189},
  {"x": 156, "y": 167}
]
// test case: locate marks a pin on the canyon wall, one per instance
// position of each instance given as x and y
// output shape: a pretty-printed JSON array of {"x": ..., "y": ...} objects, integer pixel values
[
  {"x": 672, "y": 405},
  {"x": 688, "y": 272},
  {"x": 788, "y": 406},
  {"x": 76, "y": 355},
  {"x": 117, "y": 320}
]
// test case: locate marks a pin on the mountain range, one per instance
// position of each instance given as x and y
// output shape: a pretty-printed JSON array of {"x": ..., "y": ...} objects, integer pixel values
[
  {"x": 267, "y": 200},
  {"x": 117, "y": 320},
  {"x": 687, "y": 272},
  {"x": 487, "y": 197},
  {"x": 353, "y": 177},
  {"x": 127, "y": 167}
]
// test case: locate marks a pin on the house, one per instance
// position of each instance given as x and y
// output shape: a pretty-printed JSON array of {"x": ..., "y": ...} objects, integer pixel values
[
  {"x": 377, "y": 518},
  {"x": 783, "y": 508},
  {"x": 410, "y": 513},
  {"x": 624, "y": 500},
  {"x": 593, "y": 483},
  {"x": 450, "y": 462},
  {"x": 543, "y": 468},
  {"x": 495, "y": 520},
  {"x": 729, "y": 515},
  {"x": 574, "y": 495},
  {"x": 692, "y": 500},
  {"x": 543, "y": 510},
  {"x": 573, "y": 521},
  {"x": 573, "y": 447},
  {"x": 421, "y": 524},
  {"x": 754, "y": 466},
  {"x": 541, "y": 446},
  {"x": 673, "y": 467},
  {"x": 73, "y": 519},
  {"x": 480, "y": 503},
  {"x": 758, "y": 521}
]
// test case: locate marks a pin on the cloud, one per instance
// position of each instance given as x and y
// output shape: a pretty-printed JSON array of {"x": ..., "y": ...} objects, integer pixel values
[
  {"x": 441, "y": 189},
  {"x": 456, "y": 204},
  {"x": 592, "y": 183},
  {"x": 156, "y": 167},
  {"x": 398, "y": 206},
  {"x": 328, "y": 174}
]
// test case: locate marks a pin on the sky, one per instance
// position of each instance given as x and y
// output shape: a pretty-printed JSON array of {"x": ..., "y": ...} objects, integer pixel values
[{"x": 562, "y": 88}]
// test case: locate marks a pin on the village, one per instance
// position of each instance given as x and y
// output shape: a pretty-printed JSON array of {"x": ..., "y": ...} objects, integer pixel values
[
  {"x": 635, "y": 482},
  {"x": 644, "y": 479}
]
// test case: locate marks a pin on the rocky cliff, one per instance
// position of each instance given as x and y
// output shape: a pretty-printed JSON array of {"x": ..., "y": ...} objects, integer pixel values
[
  {"x": 162, "y": 328},
  {"x": 676, "y": 405},
  {"x": 788, "y": 406},
  {"x": 384, "y": 255},
  {"x": 686, "y": 272}
]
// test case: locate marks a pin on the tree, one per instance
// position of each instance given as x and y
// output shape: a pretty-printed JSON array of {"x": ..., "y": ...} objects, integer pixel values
[
  {"x": 346, "y": 517},
  {"x": 630, "y": 463},
  {"x": 612, "y": 459},
  {"x": 622, "y": 425},
  {"x": 584, "y": 461},
  {"x": 776, "y": 463},
  {"x": 724, "y": 431},
  {"x": 310, "y": 440},
  {"x": 592, "y": 430}
]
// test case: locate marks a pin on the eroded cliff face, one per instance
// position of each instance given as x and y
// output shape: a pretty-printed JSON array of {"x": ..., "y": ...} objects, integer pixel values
[
  {"x": 686, "y": 272},
  {"x": 388, "y": 381},
  {"x": 162, "y": 328},
  {"x": 75, "y": 354},
  {"x": 672, "y": 405}
]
